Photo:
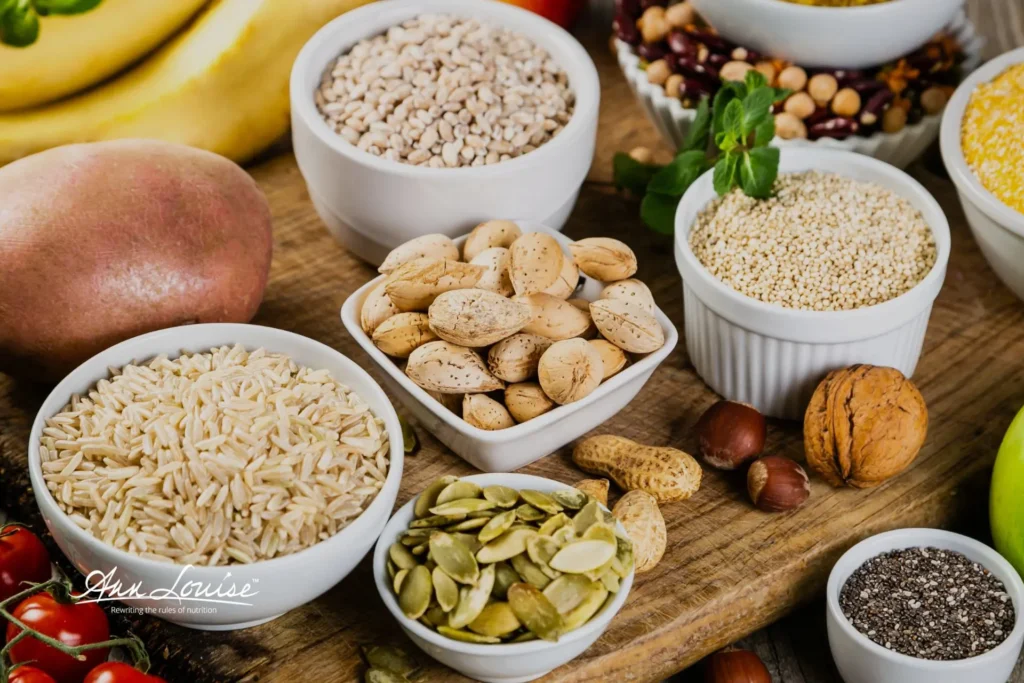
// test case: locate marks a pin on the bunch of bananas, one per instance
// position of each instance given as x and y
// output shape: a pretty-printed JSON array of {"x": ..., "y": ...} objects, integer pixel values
[{"x": 207, "y": 73}]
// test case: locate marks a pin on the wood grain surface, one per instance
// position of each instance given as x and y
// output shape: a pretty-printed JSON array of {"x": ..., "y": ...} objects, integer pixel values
[{"x": 729, "y": 570}]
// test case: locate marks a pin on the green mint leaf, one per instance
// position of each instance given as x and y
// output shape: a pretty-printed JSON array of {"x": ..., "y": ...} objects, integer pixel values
[
  {"x": 729, "y": 91},
  {"x": 630, "y": 174},
  {"x": 732, "y": 119},
  {"x": 725, "y": 173},
  {"x": 781, "y": 94},
  {"x": 726, "y": 141},
  {"x": 764, "y": 132},
  {"x": 658, "y": 211},
  {"x": 678, "y": 175},
  {"x": 757, "y": 107},
  {"x": 754, "y": 80},
  {"x": 697, "y": 137},
  {"x": 45, "y": 7},
  {"x": 19, "y": 25},
  {"x": 758, "y": 170}
]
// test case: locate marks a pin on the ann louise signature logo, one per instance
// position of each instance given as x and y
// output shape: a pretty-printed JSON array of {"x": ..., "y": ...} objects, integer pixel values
[{"x": 107, "y": 587}]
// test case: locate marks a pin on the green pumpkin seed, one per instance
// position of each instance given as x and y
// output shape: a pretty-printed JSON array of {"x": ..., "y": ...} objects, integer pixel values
[
  {"x": 528, "y": 513},
  {"x": 586, "y": 609},
  {"x": 409, "y": 441},
  {"x": 462, "y": 506},
  {"x": 468, "y": 540},
  {"x": 375, "y": 675},
  {"x": 435, "y": 521},
  {"x": 483, "y": 513},
  {"x": 466, "y": 636},
  {"x": 509, "y": 544},
  {"x": 497, "y": 619},
  {"x": 428, "y": 498},
  {"x": 582, "y": 556},
  {"x": 623, "y": 564},
  {"x": 502, "y": 496},
  {"x": 445, "y": 589},
  {"x": 610, "y": 581},
  {"x": 541, "y": 549},
  {"x": 419, "y": 550},
  {"x": 396, "y": 582},
  {"x": 472, "y": 599},
  {"x": 601, "y": 531},
  {"x": 497, "y": 525},
  {"x": 454, "y": 558},
  {"x": 456, "y": 491},
  {"x": 524, "y": 638},
  {"x": 568, "y": 591},
  {"x": 596, "y": 574},
  {"x": 468, "y": 524},
  {"x": 504, "y": 576},
  {"x": 553, "y": 524},
  {"x": 392, "y": 569},
  {"x": 589, "y": 514},
  {"x": 541, "y": 501},
  {"x": 565, "y": 535},
  {"x": 530, "y": 572},
  {"x": 411, "y": 541},
  {"x": 402, "y": 556},
  {"x": 435, "y": 616},
  {"x": 390, "y": 658},
  {"x": 574, "y": 499},
  {"x": 414, "y": 598},
  {"x": 535, "y": 611}
]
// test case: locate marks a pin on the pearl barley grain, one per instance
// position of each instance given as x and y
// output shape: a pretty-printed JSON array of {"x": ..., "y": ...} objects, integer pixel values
[
  {"x": 822, "y": 243},
  {"x": 443, "y": 92}
]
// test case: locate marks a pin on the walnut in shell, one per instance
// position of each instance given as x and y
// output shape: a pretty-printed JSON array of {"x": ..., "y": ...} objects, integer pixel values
[{"x": 863, "y": 425}]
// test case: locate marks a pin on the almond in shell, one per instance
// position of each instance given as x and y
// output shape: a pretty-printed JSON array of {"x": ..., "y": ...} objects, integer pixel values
[
  {"x": 639, "y": 513},
  {"x": 488, "y": 235},
  {"x": 613, "y": 359},
  {"x": 604, "y": 258},
  {"x": 515, "y": 359},
  {"x": 377, "y": 308},
  {"x": 526, "y": 400},
  {"x": 496, "y": 278},
  {"x": 632, "y": 290},
  {"x": 403, "y": 333},
  {"x": 627, "y": 325},
  {"x": 570, "y": 370},
  {"x": 484, "y": 412},
  {"x": 450, "y": 369},
  {"x": 535, "y": 262},
  {"x": 415, "y": 284},
  {"x": 432, "y": 246},
  {"x": 565, "y": 284},
  {"x": 554, "y": 318},
  {"x": 476, "y": 317}
]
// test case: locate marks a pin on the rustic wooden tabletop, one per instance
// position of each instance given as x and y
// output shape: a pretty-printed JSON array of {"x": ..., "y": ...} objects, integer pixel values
[{"x": 729, "y": 570}]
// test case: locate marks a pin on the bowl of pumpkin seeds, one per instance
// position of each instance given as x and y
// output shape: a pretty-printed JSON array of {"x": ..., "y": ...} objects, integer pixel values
[{"x": 503, "y": 577}]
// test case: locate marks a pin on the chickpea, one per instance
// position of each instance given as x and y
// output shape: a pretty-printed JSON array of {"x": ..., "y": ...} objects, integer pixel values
[
  {"x": 768, "y": 70},
  {"x": 793, "y": 78},
  {"x": 658, "y": 72},
  {"x": 680, "y": 14},
  {"x": 672, "y": 86},
  {"x": 822, "y": 88},
  {"x": 653, "y": 25},
  {"x": 846, "y": 102},
  {"x": 933, "y": 100},
  {"x": 800, "y": 105},
  {"x": 789, "y": 127},
  {"x": 734, "y": 71},
  {"x": 642, "y": 155},
  {"x": 894, "y": 119}
]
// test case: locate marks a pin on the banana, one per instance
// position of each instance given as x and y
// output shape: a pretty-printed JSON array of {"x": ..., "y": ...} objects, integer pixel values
[
  {"x": 221, "y": 85},
  {"x": 77, "y": 51}
]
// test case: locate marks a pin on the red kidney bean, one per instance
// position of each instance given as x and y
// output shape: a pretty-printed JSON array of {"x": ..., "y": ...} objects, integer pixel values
[
  {"x": 713, "y": 42},
  {"x": 717, "y": 60},
  {"x": 680, "y": 44},
  {"x": 693, "y": 89},
  {"x": 673, "y": 62},
  {"x": 630, "y": 8},
  {"x": 837, "y": 128},
  {"x": 866, "y": 86},
  {"x": 652, "y": 51},
  {"x": 644, "y": 4},
  {"x": 871, "y": 112},
  {"x": 820, "y": 114},
  {"x": 705, "y": 73},
  {"x": 626, "y": 30}
]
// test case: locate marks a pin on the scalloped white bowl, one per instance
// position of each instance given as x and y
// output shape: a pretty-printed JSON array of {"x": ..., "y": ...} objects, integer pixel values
[{"x": 673, "y": 121}]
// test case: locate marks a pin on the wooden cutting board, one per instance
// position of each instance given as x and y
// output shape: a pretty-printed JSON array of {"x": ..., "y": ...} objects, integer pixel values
[{"x": 728, "y": 569}]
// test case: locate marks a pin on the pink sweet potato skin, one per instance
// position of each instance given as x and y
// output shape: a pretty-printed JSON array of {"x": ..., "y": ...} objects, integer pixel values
[{"x": 101, "y": 242}]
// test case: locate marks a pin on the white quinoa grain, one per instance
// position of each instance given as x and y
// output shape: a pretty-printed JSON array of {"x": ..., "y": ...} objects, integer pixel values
[{"x": 822, "y": 242}]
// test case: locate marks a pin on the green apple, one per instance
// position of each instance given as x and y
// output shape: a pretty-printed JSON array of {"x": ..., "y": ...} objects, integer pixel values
[{"x": 1006, "y": 502}]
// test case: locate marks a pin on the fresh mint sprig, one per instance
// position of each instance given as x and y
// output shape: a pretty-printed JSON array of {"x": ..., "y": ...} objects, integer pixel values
[{"x": 740, "y": 124}]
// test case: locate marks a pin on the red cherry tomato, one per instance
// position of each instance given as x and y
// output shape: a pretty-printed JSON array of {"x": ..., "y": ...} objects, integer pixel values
[
  {"x": 23, "y": 557},
  {"x": 71, "y": 624},
  {"x": 29, "y": 674},
  {"x": 117, "y": 672}
]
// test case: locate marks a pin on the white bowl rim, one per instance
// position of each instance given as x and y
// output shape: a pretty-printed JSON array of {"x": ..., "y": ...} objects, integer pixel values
[
  {"x": 924, "y": 537},
  {"x": 350, "y": 318},
  {"x": 952, "y": 151},
  {"x": 585, "y": 85},
  {"x": 80, "y": 535},
  {"x": 877, "y": 10},
  {"x": 806, "y": 157},
  {"x": 596, "y": 623}
]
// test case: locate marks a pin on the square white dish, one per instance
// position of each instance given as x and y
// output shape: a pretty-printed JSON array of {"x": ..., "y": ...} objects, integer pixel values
[{"x": 510, "y": 449}]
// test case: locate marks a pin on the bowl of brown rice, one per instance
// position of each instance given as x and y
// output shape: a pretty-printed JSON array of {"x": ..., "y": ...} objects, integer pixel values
[{"x": 216, "y": 475}]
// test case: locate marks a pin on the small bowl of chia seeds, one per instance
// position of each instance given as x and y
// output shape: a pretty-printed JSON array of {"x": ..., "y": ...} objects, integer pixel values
[{"x": 924, "y": 606}]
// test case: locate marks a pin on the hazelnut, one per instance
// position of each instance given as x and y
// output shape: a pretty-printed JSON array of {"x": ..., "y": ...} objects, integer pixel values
[
  {"x": 822, "y": 88},
  {"x": 776, "y": 484},
  {"x": 734, "y": 71},
  {"x": 654, "y": 25},
  {"x": 735, "y": 666},
  {"x": 731, "y": 434},
  {"x": 800, "y": 105},
  {"x": 933, "y": 100},
  {"x": 680, "y": 14},
  {"x": 793, "y": 78},
  {"x": 673, "y": 85},
  {"x": 789, "y": 127},
  {"x": 894, "y": 119},
  {"x": 768, "y": 70},
  {"x": 846, "y": 103},
  {"x": 658, "y": 72},
  {"x": 642, "y": 155}
]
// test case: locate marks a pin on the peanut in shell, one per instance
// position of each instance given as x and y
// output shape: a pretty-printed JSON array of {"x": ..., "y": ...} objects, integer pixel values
[{"x": 668, "y": 474}]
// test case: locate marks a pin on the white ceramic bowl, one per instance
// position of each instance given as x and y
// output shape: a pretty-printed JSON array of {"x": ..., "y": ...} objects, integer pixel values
[
  {"x": 372, "y": 205},
  {"x": 509, "y": 449},
  {"x": 673, "y": 120},
  {"x": 773, "y": 357},
  {"x": 837, "y": 37},
  {"x": 860, "y": 660},
  {"x": 276, "y": 585},
  {"x": 504, "y": 663},
  {"x": 998, "y": 229}
]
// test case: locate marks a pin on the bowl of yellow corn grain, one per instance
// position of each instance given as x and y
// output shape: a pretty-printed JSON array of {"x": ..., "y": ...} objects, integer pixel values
[{"x": 982, "y": 130}]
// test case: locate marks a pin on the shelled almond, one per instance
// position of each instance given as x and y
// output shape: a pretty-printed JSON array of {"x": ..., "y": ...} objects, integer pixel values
[{"x": 495, "y": 326}]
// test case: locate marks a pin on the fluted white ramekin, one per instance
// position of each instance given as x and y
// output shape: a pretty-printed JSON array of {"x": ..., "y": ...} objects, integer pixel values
[
  {"x": 773, "y": 357},
  {"x": 899, "y": 149}
]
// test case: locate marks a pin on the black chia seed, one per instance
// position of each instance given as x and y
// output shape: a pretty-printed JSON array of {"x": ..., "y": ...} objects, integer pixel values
[{"x": 928, "y": 603}]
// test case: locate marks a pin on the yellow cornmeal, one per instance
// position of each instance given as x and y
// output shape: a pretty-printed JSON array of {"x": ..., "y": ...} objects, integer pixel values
[
  {"x": 993, "y": 136},
  {"x": 836, "y": 3}
]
